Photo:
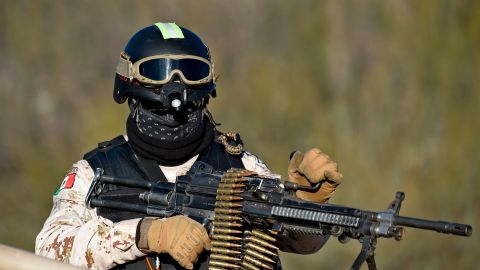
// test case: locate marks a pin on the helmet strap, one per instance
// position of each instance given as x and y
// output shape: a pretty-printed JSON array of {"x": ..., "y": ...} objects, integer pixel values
[{"x": 210, "y": 118}]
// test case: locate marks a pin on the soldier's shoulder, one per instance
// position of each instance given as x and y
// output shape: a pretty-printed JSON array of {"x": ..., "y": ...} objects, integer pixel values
[
  {"x": 76, "y": 181},
  {"x": 105, "y": 146}
]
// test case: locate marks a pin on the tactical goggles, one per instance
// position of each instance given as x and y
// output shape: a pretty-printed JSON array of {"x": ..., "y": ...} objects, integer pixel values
[{"x": 159, "y": 69}]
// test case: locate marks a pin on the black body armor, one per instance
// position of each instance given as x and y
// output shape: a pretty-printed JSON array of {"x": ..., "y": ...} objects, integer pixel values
[{"x": 117, "y": 158}]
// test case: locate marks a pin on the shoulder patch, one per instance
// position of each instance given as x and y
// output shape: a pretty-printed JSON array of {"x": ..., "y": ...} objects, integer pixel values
[{"x": 68, "y": 181}]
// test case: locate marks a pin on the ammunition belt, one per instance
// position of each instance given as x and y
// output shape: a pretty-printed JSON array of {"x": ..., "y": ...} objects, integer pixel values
[{"x": 235, "y": 245}]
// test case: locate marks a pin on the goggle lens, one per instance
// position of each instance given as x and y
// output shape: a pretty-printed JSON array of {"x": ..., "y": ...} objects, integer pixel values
[{"x": 161, "y": 68}]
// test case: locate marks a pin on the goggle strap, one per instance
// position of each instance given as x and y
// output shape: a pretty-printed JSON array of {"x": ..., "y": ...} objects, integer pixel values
[{"x": 124, "y": 68}]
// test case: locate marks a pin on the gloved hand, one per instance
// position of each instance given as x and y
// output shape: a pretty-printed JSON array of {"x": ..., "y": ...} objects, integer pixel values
[
  {"x": 182, "y": 237},
  {"x": 314, "y": 167}
]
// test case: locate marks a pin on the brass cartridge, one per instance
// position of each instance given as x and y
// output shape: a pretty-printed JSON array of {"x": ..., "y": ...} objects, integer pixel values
[
  {"x": 228, "y": 198},
  {"x": 226, "y": 237},
  {"x": 224, "y": 257},
  {"x": 226, "y": 211},
  {"x": 257, "y": 262},
  {"x": 258, "y": 255},
  {"x": 225, "y": 230},
  {"x": 228, "y": 217},
  {"x": 226, "y": 224},
  {"x": 263, "y": 236},
  {"x": 229, "y": 191},
  {"x": 262, "y": 242},
  {"x": 224, "y": 264},
  {"x": 228, "y": 185},
  {"x": 216, "y": 243},
  {"x": 261, "y": 249},
  {"x": 224, "y": 251}
]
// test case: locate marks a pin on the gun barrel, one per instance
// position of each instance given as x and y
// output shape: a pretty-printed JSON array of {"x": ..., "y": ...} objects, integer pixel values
[
  {"x": 125, "y": 206},
  {"x": 439, "y": 226},
  {"x": 128, "y": 182}
]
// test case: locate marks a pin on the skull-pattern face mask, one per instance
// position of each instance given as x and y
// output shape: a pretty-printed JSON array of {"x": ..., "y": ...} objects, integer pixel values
[{"x": 167, "y": 125}]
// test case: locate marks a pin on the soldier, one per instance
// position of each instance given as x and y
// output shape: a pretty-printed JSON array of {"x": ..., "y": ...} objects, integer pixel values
[{"x": 166, "y": 75}]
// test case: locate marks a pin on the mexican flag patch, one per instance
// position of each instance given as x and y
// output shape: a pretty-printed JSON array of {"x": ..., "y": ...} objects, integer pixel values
[{"x": 68, "y": 181}]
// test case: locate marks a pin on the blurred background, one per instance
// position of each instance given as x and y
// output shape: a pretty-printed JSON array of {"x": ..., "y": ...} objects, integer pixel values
[{"x": 389, "y": 89}]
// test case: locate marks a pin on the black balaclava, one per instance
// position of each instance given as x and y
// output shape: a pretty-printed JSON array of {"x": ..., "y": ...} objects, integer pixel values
[{"x": 169, "y": 137}]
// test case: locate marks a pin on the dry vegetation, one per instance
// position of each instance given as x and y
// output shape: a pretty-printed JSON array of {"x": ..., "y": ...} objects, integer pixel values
[{"x": 388, "y": 88}]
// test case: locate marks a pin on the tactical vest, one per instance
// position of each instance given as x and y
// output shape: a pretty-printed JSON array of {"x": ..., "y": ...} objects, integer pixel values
[{"x": 117, "y": 158}]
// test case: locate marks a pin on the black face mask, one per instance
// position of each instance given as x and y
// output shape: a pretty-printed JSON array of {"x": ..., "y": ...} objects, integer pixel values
[
  {"x": 168, "y": 136},
  {"x": 167, "y": 125}
]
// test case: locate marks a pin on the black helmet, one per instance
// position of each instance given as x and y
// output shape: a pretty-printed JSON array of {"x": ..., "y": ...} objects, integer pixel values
[{"x": 157, "y": 54}]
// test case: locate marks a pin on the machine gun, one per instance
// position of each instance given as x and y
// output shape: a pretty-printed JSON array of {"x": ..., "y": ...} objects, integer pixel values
[{"x": 246, "y": 213}]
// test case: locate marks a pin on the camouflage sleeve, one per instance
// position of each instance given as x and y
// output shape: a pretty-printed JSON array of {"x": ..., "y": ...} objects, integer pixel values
[
  {"x": 75, "y": 234},
  {"x": 253, "y": 163}
]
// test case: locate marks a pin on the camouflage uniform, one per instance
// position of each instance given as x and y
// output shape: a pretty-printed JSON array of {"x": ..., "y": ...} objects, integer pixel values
[{"x": 77, "y": 235}]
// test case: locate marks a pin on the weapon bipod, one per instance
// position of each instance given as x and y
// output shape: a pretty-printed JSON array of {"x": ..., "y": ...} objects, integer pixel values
[
  {"x": 366, "y": 254},
  {"x": 369, "y": 243}
]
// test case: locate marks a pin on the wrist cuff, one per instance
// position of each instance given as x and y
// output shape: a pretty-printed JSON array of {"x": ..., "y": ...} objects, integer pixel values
[{"x": 141, "y": 237}]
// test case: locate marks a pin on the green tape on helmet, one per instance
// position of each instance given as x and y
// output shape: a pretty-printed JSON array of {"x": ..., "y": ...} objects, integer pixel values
[{"x": 170, "y": 30}]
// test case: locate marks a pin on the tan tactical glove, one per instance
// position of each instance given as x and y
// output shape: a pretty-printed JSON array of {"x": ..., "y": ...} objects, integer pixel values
[
  {"x": 181, "y": 237},
  {"x": 314, "y": 167}
]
